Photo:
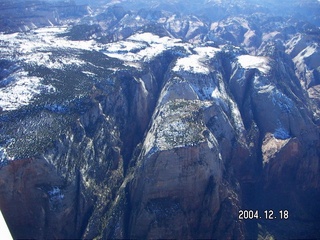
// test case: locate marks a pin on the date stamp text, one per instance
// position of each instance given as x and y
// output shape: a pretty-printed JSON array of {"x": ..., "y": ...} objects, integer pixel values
[{"x": 264, "y": 215}]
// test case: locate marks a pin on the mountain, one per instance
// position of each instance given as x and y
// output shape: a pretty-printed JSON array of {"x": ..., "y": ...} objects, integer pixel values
[
  {"x": 160, "y": 119},
  {"x": 17, "y": 15}
]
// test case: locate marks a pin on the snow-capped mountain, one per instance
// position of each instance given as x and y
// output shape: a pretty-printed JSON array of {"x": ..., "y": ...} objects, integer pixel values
[{"x": 160, "y": 119}]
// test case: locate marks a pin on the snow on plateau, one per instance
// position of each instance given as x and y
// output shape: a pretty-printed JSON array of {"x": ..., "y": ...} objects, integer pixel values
[
  {"x": 35, "y": 48},
  {"x": 47, "y": 47},
  {"x": 195, "y": 63},
  {"x": 140, "y": 47},
  {"x": 146, "y": 46},
  {"x": 20, "y": 91},
  {"x": 258, "y": 62}
]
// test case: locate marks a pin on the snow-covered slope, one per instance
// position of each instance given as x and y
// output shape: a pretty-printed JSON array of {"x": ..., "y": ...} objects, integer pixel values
[
  {"x": 49, "y": 48},
  {"x": 260, "y": 63},
  {"x": 35, "y": 48}
]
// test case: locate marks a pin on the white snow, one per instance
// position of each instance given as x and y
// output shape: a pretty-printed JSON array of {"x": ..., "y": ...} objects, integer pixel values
[
  {"x": 44, "y": 38},
  {"x": 140, "y": 47},
  {"x": 191, "y": 64},
  {"x": 20, "y": 92},
  {"x": 91, "y": 74},
  {"x": 265, "y": 88},
  {"x": 145, "y": 46},
  {"x": 305, "y": 53},
  {"x": 270, "y": 35},
  {"x": 258, "y": 62},
  {"x": 237, "y": 119},
  {"x": 247, "y": 37},
  {"x": 196, "y": 63},
  {"x": 216, "y": 93},
  {"x": 175, "y": 25},
  {"x": 34, "y": 47},
  {"x": 150, "y": 38},
  {"x": 4, "y": 157},
  {"x": 47, "y": 60},
  {"x": 125, "y": 46},
  {"x": 149, "y": 53},
  {"x": 44, "y": 47},
  {"x": 207, "y": 52}
]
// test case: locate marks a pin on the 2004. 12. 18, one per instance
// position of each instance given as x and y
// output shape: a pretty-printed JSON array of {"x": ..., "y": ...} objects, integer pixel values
[{"x": 267, "y": 214}]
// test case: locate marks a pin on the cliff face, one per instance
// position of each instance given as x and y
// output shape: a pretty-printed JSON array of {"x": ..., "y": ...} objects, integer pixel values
[{"x": 160, "y": 126}]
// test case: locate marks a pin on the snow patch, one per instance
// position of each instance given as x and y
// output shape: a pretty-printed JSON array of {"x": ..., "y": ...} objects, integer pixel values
[
  {"x": 150, "y": 38},
  {"x": 45, "y": 59},
  {"x": 91, "y": 74},
  {"x": 140, "y": 47},
  {"x": 207, "y": 52},
  {"x": 307, "y": 53},
  {"x": 191, "y": 64},
  {"x": 4, "y": 158},
  {"x": 145, "y": 46},
  {"x": 266, "y": 88},
  {"x": 216, "y": 93},
  {"x": 125, "y": 46},
  {"x": 258, "y": 62},
  {"x": 20, "y": 92},
  {"x": 196, "y": 63},
  {"x": 55, "y": 197},
  {"x": 33, "y": 47}
]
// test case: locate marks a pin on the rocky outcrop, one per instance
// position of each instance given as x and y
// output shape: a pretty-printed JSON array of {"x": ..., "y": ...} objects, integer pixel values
[{"x": 181, "y": 189}]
